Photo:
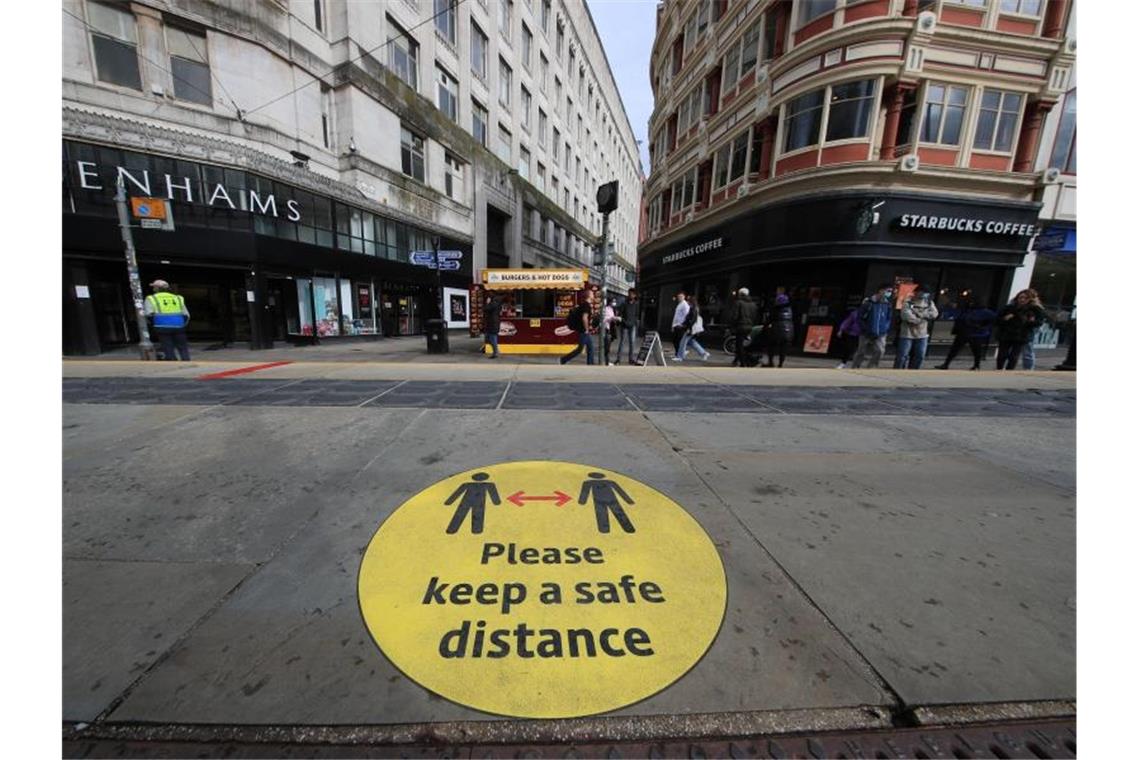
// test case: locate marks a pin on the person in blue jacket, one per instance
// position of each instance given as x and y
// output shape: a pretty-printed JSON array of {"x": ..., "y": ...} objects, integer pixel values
[{"x": 874, "y": 325}]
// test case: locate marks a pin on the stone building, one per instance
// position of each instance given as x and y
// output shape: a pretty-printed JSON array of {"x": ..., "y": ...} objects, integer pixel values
[{"x": 305, "y": 149}]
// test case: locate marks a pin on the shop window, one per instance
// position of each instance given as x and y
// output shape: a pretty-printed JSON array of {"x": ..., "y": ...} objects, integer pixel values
[
  {"x": 445, "y": 19},
  {"x": 114, "y": 39},
  {"x": 1064, "y": 155},
  {"x": 813, "y": 9},
  {"x": 403, "y": 54},
  {"x": 802, "y": 118},
  {"x": 411, "y": 154},
  {"x": 328, "y": 310},
  {"x": 943, "y": 114},
  {"x": 997, "y": 120},
  {"x": 479, "y": 123},
  {"x": 448, "y": 90},
  {"x": 850, "y": 109},
  {"x": 189, "y": 65},
  {"x": 478, "y": 52}
]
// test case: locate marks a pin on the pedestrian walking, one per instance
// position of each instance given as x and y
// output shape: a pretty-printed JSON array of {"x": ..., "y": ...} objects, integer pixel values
[
  {"x": 679, "y": 327},
  {"x": 781, "y": 327},
  {"x": 972, "y": 326},
  {"x": 492, "y": 319},
  {"x": 874, "y": 325},
  {"x": 917, "y": 313},
  {"x": 609, "y": 329},
  {"x": 169, "y": 317},
  {"x": 1028, "y": 354},
  {"x": 741, "y": 320},
  {"x": 629, "y": 317},
  {"x": 848, "y": 335},
  {"x": 578, "y": 320},
  {"x": 694, "y": 326},
  {"x": 1015, "y": 324}
]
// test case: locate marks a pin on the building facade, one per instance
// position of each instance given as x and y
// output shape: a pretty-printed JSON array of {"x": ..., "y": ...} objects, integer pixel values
[
  {"x": 306, "y": 149},
  {"x": 819, "y": 148}
]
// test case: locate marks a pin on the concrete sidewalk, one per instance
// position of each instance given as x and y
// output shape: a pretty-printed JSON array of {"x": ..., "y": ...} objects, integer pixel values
[{"x": 877, "y": 565}]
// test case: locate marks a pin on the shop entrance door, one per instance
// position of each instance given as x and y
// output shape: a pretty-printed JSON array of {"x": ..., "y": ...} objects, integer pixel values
[
  {"x": 113, "y": 312},
  {"x": 408, "y": 314},
  {"x": 276, "y": 307}
]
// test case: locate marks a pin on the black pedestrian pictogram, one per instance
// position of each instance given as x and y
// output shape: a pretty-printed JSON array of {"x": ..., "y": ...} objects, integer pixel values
[
  {"x": 474, "y": 501},
  {"x": 605, "y": 494}
]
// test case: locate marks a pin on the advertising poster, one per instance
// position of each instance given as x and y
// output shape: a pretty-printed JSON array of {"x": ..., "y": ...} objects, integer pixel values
[
  {"x": 458, "y": 307},
  {"x": 818, "y": 339}
]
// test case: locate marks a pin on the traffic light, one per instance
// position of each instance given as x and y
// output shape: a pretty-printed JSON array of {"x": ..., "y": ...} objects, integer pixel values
[{"x": 608, "y": 197}]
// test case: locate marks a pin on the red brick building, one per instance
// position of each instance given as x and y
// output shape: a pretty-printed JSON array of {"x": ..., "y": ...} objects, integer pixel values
[{"x": 821, "y": 147}]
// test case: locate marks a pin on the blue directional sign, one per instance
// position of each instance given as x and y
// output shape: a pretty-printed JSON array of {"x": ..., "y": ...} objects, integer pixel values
[
  {"x": 448, "y": 260},
  {"x": 445, "y": 255},
  {"x": 423, "y": 258},
  {"x": 450, "y": 265}
]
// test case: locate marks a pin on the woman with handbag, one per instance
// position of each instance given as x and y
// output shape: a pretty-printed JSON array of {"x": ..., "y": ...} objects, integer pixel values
[{"x": 694, "y": 325}]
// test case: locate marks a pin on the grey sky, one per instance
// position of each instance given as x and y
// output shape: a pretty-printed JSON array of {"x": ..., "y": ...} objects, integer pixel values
[{"x": 627, "y": 28}]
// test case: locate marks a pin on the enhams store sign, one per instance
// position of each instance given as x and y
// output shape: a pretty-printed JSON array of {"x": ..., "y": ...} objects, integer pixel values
[{"x": 182, "y": 189}]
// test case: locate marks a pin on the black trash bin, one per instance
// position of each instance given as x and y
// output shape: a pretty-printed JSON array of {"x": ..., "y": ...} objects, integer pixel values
[{"x": 437, "y": 336}]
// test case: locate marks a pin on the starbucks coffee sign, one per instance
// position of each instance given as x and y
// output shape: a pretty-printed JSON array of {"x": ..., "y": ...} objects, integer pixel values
[{"x": 965, "y": 224}]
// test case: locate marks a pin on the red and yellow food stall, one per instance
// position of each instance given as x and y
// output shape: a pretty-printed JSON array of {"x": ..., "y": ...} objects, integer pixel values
[{"x": 535, "y": 304}]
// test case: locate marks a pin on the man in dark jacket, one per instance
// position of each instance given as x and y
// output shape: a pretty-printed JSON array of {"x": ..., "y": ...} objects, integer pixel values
[
  {"x": 874, "y": 325},
  {"x": 492, "y": 315},
  {"x": 1015, "y": 325},
  {"x": 781, "y": 328},
  {"x": 578, "y": 320},
  {"x": 629, "y": 317},
  {"x": 972, "y": 327},
  {"x": 741, "y": 320}
]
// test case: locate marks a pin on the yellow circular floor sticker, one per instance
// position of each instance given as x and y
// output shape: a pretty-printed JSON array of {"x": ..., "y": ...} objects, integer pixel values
[{"x": 542, "y": 589}]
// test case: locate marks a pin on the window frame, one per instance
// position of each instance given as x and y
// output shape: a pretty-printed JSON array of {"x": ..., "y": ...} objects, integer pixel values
[
  {"x": 397, "y": 33},
  {"x": 204, "y": 53},
  {"x": 476, "y": 109},
  {"x": 801, "y": 21},
  {"x": 1022, "y": 98},
  {"x": 447, "y": 17},
  {"x": 453, "y": 170},
  {"x": 945, "y": 105},
  {"x": 134, "y": 45},
  {"x": 1071, "y": 149},
  {"x": 408, "y": 165},
  {"x": 443, "y": 79},
  {"x": 477, "y": 30},
  {"x": 506, "y": 86}
]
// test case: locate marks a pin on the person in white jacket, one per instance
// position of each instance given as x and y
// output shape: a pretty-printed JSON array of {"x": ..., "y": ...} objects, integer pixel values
[{"x": 914, "y": 329}]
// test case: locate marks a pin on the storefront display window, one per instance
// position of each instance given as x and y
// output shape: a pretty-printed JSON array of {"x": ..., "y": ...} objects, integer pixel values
[
  {"x": 328, "y": 312},
  {"x": 304, "y": 326}
]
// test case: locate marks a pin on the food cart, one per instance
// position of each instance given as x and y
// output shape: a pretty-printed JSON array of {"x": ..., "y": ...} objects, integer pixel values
[{"x": 535, "y": 305}]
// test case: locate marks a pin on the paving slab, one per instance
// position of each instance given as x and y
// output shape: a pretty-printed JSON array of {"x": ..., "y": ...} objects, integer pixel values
[
  {"x": 203, "y": 490},
  {"x": 987, "y": 609},
  {"x": 290, "y": 647},
  {"x": 119, "y": 618}
]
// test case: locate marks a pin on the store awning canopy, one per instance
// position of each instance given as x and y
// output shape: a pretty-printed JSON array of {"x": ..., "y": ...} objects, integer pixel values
[{"x": 535, "y": 279}]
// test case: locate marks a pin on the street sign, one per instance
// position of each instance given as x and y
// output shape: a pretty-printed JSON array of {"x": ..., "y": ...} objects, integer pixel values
[
  {"x": 423, "y": 258},
  {"x": 448, "y": 265},
  {"x": 560, "y": 579},
  {"x": 151, "y": 224},
  {"x": 445, "y": 255}
]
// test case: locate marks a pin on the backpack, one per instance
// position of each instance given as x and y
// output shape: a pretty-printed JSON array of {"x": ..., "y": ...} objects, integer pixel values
[{"x": 574, "y": 320}]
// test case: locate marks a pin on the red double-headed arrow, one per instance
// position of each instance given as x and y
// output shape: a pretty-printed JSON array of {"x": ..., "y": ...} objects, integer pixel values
[{"x": 517, "y": 498}]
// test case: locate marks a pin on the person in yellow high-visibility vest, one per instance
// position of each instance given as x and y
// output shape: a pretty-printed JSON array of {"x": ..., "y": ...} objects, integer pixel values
[{"x": 169, "y": 316}]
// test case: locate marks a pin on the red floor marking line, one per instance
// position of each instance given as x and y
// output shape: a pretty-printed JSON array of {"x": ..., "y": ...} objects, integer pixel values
[{"x": 241, "y": 370}]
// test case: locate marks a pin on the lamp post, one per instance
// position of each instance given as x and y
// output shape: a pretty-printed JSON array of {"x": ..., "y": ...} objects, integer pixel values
[{"x": 146, "y": 348}]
